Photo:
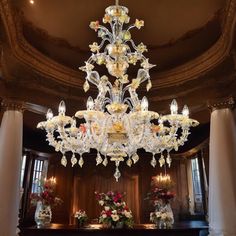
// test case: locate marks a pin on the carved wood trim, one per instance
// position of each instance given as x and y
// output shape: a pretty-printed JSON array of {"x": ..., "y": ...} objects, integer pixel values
[{"x": 28, "y": 55}]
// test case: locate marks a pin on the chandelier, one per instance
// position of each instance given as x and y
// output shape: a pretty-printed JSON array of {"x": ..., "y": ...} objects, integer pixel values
[{"x": 117, "y": 123}]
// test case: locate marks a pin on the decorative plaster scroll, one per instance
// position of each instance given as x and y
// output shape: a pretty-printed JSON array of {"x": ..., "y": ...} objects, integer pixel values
[{"x": 25, "y": 53}]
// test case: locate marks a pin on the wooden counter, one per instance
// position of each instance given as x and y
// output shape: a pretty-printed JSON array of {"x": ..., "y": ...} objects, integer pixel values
[{"x": 192, "y": 228}]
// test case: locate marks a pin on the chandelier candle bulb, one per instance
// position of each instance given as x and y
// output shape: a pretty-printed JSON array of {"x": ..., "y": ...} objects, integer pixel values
[
  {"x": 90, "y": 103},
  {"x": 163, "y": 178},
  {"x": 185, "y": 111},
  {"x": 174, "y": 107},
  {"x": 117, "y": 123},
  {"x": 49, "y": 114},
  {"x": 62, "y": 108},
  {"x": 144, "y": 104},
  {"x": 53, "y": 180}
]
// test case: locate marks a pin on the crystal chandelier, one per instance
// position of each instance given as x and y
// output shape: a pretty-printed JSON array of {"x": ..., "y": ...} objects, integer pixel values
[{"x": 117, "y": 123}]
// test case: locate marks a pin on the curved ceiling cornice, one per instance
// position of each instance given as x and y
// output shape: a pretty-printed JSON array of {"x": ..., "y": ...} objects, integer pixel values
[
  {"x": 208, "y": 60},
  {"x": 45, "y": 66},
  {"x": 28, "y": 55}
]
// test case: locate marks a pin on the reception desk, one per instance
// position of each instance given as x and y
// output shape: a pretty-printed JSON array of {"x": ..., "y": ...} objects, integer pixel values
[{"x": 192, "y": 228}]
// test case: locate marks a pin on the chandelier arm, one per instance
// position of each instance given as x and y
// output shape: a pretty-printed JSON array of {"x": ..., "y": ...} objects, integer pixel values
[
  {"x": 51, "y": 139},
  {"x": 184, "y": 135},
  {"x": 130, "y": 27},
  {"x": 95, "y": 79},
  {"x": 91, "y": 59},
  {"x": 103, "y": 41},
  {"x": 108, "y": 33},
  {"x": 107, "y": 100},
  {"x": 133, "y": 44},
  {"x": 128, "y": 101},
  {"x": 126, "y": 88}
]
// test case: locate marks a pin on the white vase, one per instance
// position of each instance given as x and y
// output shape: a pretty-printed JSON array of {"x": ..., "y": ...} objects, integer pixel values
[
  {"x": 43, "y": 215},
  {"x": 167, "y": 219}
]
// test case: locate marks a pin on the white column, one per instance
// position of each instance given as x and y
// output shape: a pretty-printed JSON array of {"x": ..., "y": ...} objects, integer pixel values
[
  {"x": 222, "y": 175},
  {"x": 10, "y": 166}
]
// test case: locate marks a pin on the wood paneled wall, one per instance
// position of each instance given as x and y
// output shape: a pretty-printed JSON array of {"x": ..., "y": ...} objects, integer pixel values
[{"x": 76, "y": 186}]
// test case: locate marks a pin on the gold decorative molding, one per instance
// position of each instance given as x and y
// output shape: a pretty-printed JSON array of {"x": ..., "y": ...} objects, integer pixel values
[
  {"x": 222, "y": 104},
  {"x": 13, "y": 105},
  {"x": 45, "y": 66}
]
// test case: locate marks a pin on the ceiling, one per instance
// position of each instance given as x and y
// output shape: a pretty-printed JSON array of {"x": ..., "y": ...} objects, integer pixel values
[
  {"x": 44, "y": 43},
  {"x": 60, "y": 30}
]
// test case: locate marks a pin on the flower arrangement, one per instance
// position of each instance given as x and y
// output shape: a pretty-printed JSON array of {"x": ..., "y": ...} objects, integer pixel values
[
  {"x": 160, "y": 196},
  {"x": 115, "y": 213},
  {"x": 163, "y": 217},
  {"x": 161, "y": 190},
  {"x": 81, "y": 217},
  {"x": 46, "y": 194}
]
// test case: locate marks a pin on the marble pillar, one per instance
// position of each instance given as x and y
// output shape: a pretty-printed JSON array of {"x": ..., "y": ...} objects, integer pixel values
[
  {"x": 222, "y": 174},
  {"x": 10, "y": 166}
]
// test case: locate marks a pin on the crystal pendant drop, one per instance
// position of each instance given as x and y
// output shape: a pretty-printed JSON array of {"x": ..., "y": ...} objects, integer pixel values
[
  {"x": 129, "y": 162},
  {"x": 162, "y": 160},
  {"x": 86, "y": 86},
  {"x": 64, "y": 161},
  {"x": 98, "y": 159},
  {"x": 81, "y": 162},
  {"x": 105, "y": 161},
  {"x": 135, "y": 158},
  {"x": 168, "y": 160},
  {"x": 153, "y": 162},
  {"x": 117, "y": 174},
  {"x": 73, "y": 160}
]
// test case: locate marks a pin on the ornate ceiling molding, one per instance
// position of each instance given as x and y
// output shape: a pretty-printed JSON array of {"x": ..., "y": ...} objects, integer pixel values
[
  {"x": 208, "y": 60},
  {"x": 45, "y": 66},
  {"x": 28, "y": 55},
  {"x": 61, "y": 42}
]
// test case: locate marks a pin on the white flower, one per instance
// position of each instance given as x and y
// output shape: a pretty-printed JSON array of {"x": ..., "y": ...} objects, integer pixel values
[
  {"x": 104, "y": 216},
  {"x": 115, "y": 217},
  {"x": 158, "y": 214},
  {"x": 101, "y": 202},
  {"x": 114, "y": 212},
  {"x": 128, "y": 214},
  {"x": 107, "y": 208},
  {"x": 164, "y": 216},
  {"x": 118, "y": 204},
  {"x": 107, "y": 198}
]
